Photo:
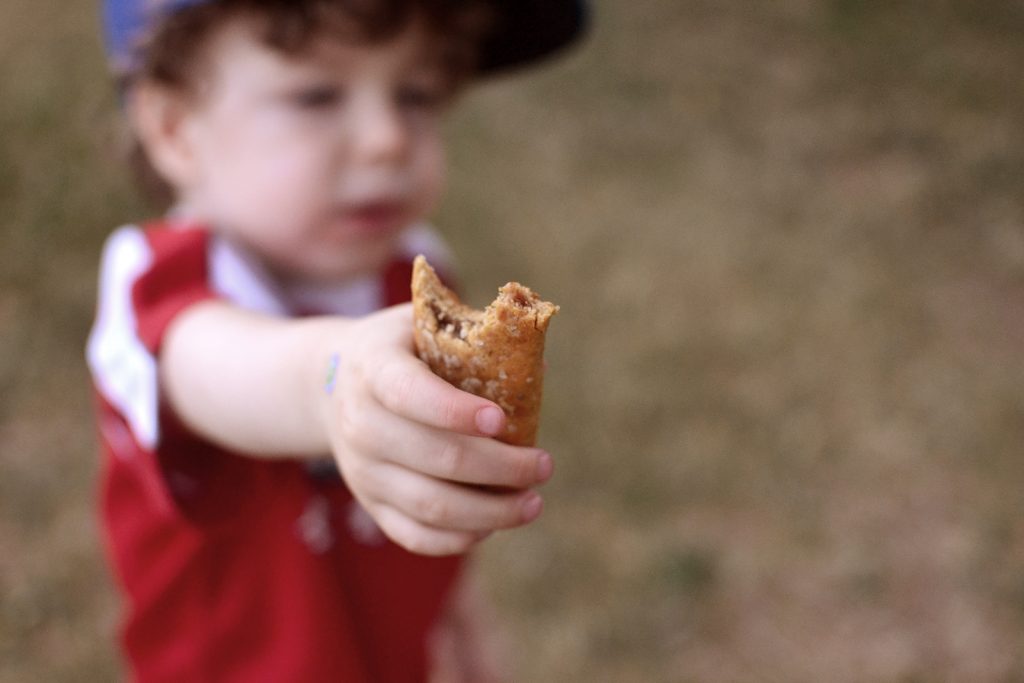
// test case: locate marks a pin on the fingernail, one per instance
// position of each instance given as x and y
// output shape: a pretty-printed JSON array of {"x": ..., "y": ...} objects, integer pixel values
[
  {"x": 489, "y": 420},
  {"x": 545, "y": 466},
  {"x": 532, "y": 506}
]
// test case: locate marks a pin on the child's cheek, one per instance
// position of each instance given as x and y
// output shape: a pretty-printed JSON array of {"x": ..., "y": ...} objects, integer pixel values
[
  {"x": 284, "y": 183},
  {"x": 433, "y": 173}
]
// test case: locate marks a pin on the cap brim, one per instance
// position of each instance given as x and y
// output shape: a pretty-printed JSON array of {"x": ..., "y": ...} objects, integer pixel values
[
  {"x": 525, "y": 31},
  {"x": 528, "y": 31}
]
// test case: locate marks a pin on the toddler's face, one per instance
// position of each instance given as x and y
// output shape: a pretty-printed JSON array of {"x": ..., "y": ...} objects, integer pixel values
[{"x": 319, "y": 161}]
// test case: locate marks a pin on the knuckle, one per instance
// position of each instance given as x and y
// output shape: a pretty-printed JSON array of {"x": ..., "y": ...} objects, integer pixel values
[
  {"x": 354, "y": 471},
  {"x": 353, "y": 370},
  {"x": 432, "y": 510},
  {"x": 449, "y": 413},
  {"x": 349, "y": 421},
  {"x": 452, "y": 459},
  {"x": 398, "y": 388},
  {"x": 353, "y": 421}
]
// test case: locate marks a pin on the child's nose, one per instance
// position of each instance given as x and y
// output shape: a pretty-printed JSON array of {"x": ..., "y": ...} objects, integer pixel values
[{"x": 380, "y": 134}]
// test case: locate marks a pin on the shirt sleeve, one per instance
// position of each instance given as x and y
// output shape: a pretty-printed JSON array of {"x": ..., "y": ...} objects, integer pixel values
[
  {"x": 147, "y": 277},
  {"x": 176, "y": 279}
]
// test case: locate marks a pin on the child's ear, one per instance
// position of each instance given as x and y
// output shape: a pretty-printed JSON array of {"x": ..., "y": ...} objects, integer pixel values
[{"x": 158, "y": 117}]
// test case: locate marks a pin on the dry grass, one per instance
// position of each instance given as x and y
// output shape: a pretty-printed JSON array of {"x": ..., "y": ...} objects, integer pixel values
[{"x": 787, "y": 383}]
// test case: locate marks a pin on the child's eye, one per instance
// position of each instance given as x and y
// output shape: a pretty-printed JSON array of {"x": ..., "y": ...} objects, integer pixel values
[
  {"x": 421, "y": 96},
  {"x": 317, "y": 97}
]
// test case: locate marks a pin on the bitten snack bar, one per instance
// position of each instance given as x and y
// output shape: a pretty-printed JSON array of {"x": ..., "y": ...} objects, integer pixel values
[{"x": 497, "y": 353}]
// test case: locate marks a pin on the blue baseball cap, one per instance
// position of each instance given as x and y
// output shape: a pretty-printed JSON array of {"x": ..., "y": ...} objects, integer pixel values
[{"x": 526, "y": 31}]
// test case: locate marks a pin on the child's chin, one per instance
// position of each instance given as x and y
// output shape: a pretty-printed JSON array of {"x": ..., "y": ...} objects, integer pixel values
[{"x": 345, "y": 263}]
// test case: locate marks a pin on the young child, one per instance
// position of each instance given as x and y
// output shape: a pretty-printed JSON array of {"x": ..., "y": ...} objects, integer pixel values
[{"x": 287, "y": 489}]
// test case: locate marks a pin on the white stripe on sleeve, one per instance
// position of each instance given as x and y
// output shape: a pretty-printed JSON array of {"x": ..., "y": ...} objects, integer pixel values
[{"x": 122, "y": 367}]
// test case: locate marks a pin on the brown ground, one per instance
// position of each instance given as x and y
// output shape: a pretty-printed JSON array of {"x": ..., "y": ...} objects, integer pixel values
[{"x": 786, "y": 388}]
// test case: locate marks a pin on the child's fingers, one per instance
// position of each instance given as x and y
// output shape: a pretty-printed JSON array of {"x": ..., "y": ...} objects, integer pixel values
[
  {"x": 455, "y": 457},
  {"x": 445, "y": 505},
  {"x": 407, "y": 387},
  {"x": 420, "y": 538}
]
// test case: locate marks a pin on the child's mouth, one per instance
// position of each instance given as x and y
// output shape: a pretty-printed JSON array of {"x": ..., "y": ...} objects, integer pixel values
[{"x": 375, "y": 217}]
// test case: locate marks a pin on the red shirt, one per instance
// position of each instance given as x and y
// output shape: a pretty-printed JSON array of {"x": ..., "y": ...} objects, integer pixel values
[{"x": 235, "y": 568}]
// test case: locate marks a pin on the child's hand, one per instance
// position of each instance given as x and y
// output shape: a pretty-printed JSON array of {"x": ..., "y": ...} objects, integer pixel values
[{"x": 417, "y": 452}]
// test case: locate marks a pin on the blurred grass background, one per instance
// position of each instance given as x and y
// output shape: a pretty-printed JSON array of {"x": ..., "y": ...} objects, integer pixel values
[{"x": 786, "y": 395}]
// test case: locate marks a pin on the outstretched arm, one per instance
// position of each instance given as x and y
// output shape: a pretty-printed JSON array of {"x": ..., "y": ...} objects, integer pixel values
[
  {"x": 247, "y": 381},
  {"x": 415, "y": 451}
]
